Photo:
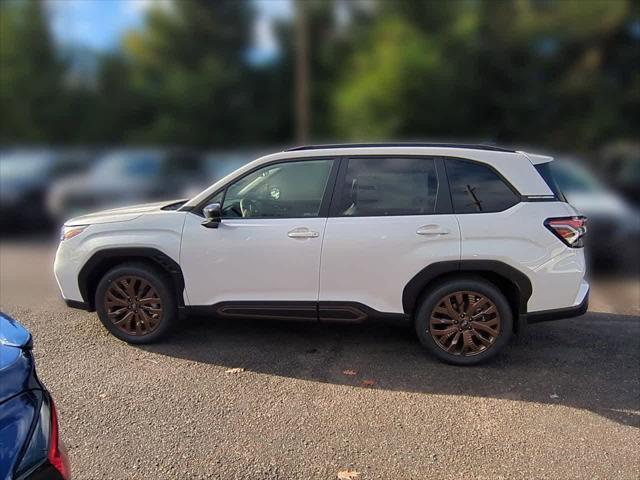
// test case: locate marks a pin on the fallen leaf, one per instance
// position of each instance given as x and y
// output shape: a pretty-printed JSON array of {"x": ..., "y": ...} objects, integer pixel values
[
  {"x": 368, "y": 383},
  {"x": 351, "y": 373},
  {"x": 235, "y": 370},
  {"x": 348, "y": 475}
]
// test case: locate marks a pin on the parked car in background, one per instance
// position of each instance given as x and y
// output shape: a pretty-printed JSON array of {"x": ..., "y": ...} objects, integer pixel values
[
  {"x": 613, "y": 223},
  {"x": 26, "y": 177},
  {"x": 620, "y": 165},
  {"x": 221, "y": 163},
  {"x": 124, "y": 177},
  {"x": 30, "y": 444},
  {"x": 467, "y": 243}
]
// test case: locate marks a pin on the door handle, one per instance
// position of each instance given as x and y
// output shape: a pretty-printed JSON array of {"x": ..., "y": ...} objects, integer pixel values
[
  {"x": 302, "y": 233},
  {"x": 432, "y": 230}
]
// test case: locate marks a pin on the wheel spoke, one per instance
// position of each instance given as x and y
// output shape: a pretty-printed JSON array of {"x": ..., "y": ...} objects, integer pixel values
[
  {"x": 483, "y": 340},
  {"x": 149, "y": 300},
  {"x": 454, "y": 342},
  {"x": 117, "y": 312},
  {"x": 450, "y": 310},
  {"x": 482, "y": 326},
  {"x": 118, "y": 288},
  {"x": 446, "y": 331}
]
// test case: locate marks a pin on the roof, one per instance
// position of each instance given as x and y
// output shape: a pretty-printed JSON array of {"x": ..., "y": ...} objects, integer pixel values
[{"x": 491, "y": 148}]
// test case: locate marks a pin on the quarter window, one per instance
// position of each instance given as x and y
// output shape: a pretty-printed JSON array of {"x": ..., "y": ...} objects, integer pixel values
[
  {"x": 282, "y": 190},
  {"x": 389, "y": 186},
  {"x": 477, "y": 189}
]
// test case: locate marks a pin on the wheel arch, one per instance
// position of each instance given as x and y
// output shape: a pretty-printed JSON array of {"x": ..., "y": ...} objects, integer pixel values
[
  {"x": 104, "y": 260},
  {"x": 514, "y": 284}
]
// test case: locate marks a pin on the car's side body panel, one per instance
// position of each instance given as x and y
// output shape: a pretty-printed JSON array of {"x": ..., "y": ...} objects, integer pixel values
[
  {"x": 517, "y": 238},
  {"x": 251, "y": 259},
  {"x": 160, "y": 230},
  {"x": 369, "y": 260}
]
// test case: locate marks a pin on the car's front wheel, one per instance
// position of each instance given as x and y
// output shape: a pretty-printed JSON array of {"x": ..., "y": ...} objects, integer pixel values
[
  {"x": 135, "y": 302},
  {"x": 464, "y": 321}
]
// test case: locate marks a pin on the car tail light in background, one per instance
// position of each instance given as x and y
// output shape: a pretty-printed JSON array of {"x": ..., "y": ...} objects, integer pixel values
[
  {"x": 570, "y": 230},
  {"x": 57, "y": 452}
]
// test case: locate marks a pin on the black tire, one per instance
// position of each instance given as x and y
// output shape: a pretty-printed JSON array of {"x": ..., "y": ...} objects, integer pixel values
[
  {"x": 464, "y": 287},
  {"x": 162, "y": 295}
]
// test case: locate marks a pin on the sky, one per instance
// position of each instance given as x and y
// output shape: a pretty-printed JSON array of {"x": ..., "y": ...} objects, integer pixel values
[{"x": 99, "y": 24}]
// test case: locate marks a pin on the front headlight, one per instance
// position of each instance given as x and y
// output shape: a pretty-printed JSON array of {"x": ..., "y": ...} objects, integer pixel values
[{"x": 69, "y": 232}]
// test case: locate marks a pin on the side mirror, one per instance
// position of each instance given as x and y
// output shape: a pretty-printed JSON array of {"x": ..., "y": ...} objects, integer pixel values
[{"x": 212, "y": 215}]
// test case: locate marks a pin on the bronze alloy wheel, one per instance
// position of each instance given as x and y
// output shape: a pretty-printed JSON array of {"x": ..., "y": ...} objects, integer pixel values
[
  {"x": 465, "y": 323},
  {"x": 133, "y": 305}
]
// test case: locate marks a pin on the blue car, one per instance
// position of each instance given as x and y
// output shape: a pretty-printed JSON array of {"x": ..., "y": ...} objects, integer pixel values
[{"x": 30, "y": 446}]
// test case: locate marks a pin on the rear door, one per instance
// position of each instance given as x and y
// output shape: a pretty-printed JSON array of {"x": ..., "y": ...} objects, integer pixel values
[{"x": 390, "y": 218}]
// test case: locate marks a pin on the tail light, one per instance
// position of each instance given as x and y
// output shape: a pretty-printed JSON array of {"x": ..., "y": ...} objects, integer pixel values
[
  {"x": 57, "y": 452},
  {"x": 45, "y": 455},
  {"x": 570, "y": 230}
]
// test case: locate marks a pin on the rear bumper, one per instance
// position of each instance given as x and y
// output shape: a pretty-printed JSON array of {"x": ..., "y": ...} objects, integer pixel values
[{"x": 560, "y": 313}]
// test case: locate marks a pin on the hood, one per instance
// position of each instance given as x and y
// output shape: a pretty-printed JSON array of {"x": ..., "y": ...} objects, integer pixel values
[{"x": 121, "y": 214}]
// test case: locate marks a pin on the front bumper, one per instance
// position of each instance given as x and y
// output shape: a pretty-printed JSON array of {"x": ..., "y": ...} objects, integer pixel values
[{"x": 561, "y": 313}]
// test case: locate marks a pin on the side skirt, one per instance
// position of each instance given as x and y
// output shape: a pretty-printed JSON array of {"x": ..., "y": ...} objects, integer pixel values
[{"x": 326, "y": 312}]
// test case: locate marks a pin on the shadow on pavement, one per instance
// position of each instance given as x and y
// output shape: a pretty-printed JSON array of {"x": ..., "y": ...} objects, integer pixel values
[{"x": 591, "y": 362}]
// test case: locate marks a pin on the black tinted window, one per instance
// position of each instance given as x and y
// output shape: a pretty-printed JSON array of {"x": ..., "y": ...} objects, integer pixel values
[
  {"x": 389, "y": 186},
  {"x": 545, "y": 171},
  {"x": 476, "y": 188}
]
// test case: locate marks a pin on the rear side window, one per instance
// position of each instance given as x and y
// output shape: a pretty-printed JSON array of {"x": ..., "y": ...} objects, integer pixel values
[
  {"x": 478, "y": 189},
  {"x": 545, "y": 171},
  {"x": 388, "y": 186}
]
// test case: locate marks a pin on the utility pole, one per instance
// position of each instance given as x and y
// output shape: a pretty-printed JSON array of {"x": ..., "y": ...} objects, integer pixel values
[{"x": 302, "y": 106}]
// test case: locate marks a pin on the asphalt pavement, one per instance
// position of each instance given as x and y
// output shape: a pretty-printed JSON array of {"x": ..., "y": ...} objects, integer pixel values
[{"x": 247, "y": 399}]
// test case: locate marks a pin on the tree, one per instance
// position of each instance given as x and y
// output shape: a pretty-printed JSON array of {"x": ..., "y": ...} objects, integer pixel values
[
  {"x": 30, "y": 76},
  {"x": 189, "y": 70}
]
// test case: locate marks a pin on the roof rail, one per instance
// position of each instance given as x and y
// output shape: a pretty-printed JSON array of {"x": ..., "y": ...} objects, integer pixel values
[{"x": 400, "y": 144}]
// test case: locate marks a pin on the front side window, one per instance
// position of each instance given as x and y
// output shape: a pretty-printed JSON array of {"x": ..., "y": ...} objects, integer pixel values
[
  {"x": 389, "y": 186},
  {"x": 282, "y": 190},
  {"x": 477, "y": 189}
]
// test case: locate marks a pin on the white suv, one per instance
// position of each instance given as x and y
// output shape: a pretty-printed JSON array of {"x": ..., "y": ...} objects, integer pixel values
[{"x": 470, "y": 243}]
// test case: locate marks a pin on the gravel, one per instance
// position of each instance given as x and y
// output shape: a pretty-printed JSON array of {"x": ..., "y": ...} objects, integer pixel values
[{"x": 268, "y": 400}]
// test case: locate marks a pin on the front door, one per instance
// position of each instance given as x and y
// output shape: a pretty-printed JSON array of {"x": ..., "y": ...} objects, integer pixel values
[{"x": 267, "y": 247}]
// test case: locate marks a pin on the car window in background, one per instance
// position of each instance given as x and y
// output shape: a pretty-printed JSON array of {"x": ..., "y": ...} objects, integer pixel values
[
  {"x": 389, "y": 186},
  {"x": 573, "y": 178},
  {"x": 478, "y": 189},
  {"x": 122, "y": 164},
  {"x": 283, "y": 190},
  {"x": 24, "y": 166}
]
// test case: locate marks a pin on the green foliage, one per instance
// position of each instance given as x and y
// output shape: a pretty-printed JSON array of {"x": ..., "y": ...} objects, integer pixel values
[
  {"x": 558, "y": 73},
  {"x": 30, "y": 75}
]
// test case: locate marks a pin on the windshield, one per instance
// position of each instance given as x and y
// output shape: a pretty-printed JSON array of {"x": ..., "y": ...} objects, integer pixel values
[
  {"x": 573, "y": 178},
  {"x": 128, "y": 164},
  {"x": 24, "y": 166}
]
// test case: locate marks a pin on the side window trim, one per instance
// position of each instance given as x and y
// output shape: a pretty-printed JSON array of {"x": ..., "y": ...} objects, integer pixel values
[
  {"x": 324, "y": 203},
  {"x": 444, "y": 205},
  {"x": 490, "y": 167}
]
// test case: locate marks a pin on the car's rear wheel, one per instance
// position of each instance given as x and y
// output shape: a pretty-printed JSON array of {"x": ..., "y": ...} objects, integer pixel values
[
  {"x": 135, "y": 302},
  {"x": 464, "y": 321}
]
